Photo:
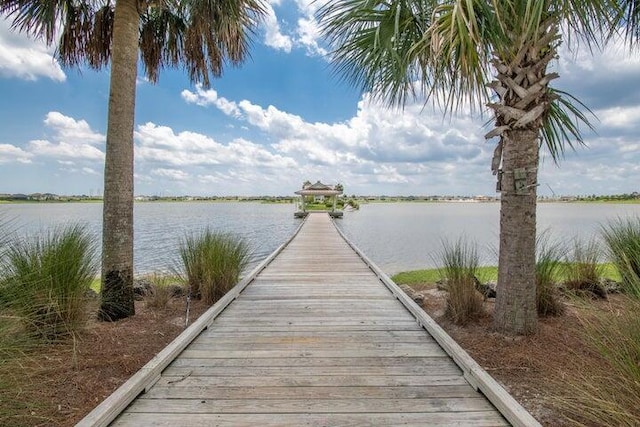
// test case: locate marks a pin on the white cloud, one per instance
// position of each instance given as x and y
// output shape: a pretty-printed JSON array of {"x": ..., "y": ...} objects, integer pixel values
[
  {"x": 210, "y": 97},
  {"x": 25, "y": 58},
  {"x": 620, "y": 117},
  {"x": 162, "y": 145},
  {"x": 10, "y": 153},
  {"x": 273, "y": 36},
  {"x": 70, "y": 139},
  {"x": 173, "y": 174}
]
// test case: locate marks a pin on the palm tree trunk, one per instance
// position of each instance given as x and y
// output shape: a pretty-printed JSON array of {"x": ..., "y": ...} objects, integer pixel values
[
  {"x": 117, "y": 231},
  {"x": 515, "y": 310}
]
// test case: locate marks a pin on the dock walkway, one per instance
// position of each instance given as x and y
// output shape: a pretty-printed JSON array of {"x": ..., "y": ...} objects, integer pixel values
[{"x": 319, "y": 338}]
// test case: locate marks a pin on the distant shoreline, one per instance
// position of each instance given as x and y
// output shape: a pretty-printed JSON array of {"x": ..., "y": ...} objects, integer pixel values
[{"x": 292, "y": 200}]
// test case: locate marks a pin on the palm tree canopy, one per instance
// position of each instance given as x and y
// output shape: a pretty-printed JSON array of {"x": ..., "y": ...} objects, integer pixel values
[
  {"x": 446, "y": 51},
  {"x": 200, "y": 35}
]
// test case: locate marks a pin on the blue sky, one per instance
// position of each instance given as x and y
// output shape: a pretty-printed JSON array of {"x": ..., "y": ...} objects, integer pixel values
[{"x": 283, "y": 118}]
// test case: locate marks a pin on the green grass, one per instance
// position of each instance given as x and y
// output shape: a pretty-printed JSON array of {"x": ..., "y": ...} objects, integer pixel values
[
  {"x": 460, "y": 269},
  {"x": 45, "y": 278},
  {"x": 485, "y": 274},
  {"x": 432, "y": 275},
  {"x": 622, "y": 237},
  {"x": 609, "y": 396},
  {"x": 212, "y": 263}
]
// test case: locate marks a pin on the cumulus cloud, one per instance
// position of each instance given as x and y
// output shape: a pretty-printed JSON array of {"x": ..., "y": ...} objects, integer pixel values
[
  {"x": 161, "y": 144},
  {"x": 24, "y": 58},
  {"x": 70, "y": 139},
  {"x": 273, "y": 36},
  {"x": 10, "y": 153}
]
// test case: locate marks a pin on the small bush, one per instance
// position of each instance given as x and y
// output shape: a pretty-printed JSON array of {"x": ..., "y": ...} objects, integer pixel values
[
  {"x": 46, "y": 279},
  {"x": 611, "y": 397},
  {"x": 548, "y": 262},
  {"x": 460, "y": 263},
  {"x": 622, "y": 237},
  {"x": 161, "y": 291},
  {"x": 212, "y": 263},
  {"x": 583, "y": 271}
]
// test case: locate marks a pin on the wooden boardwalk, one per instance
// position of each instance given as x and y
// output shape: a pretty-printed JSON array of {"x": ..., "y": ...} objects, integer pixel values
[{"x": 316, "y": 338}]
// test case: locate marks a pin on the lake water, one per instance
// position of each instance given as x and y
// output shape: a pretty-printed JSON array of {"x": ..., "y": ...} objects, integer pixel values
[{"x": 396, "y": 236}]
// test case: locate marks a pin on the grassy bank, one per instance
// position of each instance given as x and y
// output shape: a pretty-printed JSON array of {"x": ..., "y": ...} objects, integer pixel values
[{"x": 485, "y": 274}]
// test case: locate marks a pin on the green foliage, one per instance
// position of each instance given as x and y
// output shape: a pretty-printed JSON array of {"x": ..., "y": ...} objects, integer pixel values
[
  {"x": 212, "y": 263},
  {"x": 45, "y": 280},
  {"x": 548, "y": 263},
  {"x": 160, "y": 293},
  {"x": 460, "y": 262},
  {"x": 622, "y": 237},
  {"x": 610, "y": 397},
  {"x": 583, "y": 271}
]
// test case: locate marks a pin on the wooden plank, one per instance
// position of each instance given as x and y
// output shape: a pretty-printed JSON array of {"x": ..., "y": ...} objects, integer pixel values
[
  {"x": 379, "y": 361},
  {"x": 439, "y": 366},
  {"x": 316, "y": 339},
  {"x": 445, "y": 419},
  {"x": 310, "y": 406},
  {"x": 111, "y": 407},
  {"x": 477, "y": 376},
  {"x": 311, "y": 381},
  {"x": 422, "y": 351},
  {"x": 264, "y": 393}
]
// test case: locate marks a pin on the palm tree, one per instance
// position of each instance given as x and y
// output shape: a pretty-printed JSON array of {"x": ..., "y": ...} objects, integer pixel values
[
  {"x": 481, "y": 53},
  {"x": 200, "y": 35}
]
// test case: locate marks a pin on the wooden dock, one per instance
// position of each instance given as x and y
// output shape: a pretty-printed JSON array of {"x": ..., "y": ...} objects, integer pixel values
[{"x": 316, "y": 336}]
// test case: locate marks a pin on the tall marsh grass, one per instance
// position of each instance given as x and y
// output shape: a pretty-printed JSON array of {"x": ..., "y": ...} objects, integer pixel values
[
  {"x": 460, "y": 263},
  {"x": 622, "y": 237},
  {"x": 212, "y": 263},
  {"x": 45, "y": 279},
  {"x": 612, "y": 396},
  {"x": 583, "y": 269},
  {"x": 548, "y": 262}
]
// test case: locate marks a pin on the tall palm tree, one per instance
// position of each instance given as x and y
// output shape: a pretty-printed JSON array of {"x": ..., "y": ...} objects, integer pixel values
[
  {"x": 482, "y": 53},
  {"x": 200, "y": 35}
]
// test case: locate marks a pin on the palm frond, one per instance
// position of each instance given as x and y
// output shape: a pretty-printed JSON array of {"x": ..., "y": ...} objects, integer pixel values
[
  {"x": 372, "y": 45},
  {"x": 460, "y": 38},
  {"x": 36, "y": 18},
  {"x": 217, "y": 32},
  {"x": 561, "y": 127},
  {"x": 627, "y": 20}
]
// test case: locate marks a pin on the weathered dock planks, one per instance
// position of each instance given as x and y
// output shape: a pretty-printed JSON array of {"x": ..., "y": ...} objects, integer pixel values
[{"x": 316, "y": 336}]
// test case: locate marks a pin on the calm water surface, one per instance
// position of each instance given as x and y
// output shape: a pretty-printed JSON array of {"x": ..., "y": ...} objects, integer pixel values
[
  {"x": 159, "y": 226},
  {"x": 407, "y": 236},
  {"x": 397, "y": 236}
]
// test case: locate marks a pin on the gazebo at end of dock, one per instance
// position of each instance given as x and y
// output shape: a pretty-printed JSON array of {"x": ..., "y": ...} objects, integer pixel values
[{"x": 318, "y": 192}]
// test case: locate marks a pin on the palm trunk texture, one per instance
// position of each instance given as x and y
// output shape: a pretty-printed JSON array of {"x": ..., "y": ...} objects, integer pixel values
[
  {"x": 515, "y": 310},
  {"x": 522, "y": 87},
  {"x": 117, "y": 232}
]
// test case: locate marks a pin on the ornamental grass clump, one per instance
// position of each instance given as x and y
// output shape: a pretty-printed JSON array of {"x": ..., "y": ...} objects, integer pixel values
[
  {"x": 460, "y": 263},
  {"x": 46, "y": 279},
  {"x": 548, "y": 262},
  {"x": 609, "y": 397},
  {"x": 583, "y": 270},
  {"x": 212, "y": 263},
  {"x": 622, "y": 237}
]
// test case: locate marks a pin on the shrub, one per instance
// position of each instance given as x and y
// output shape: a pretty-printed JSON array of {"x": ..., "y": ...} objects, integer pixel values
[
  {"x": 212, "y": 263},
  {"x": 46, "y": 279},
  {"x": 161, "y": 291},
  {"x": 583, "y": 270},
  {"x": 622, "y": 237},
  {"x": 548, "y": 262},
  {"x": 460, "y": 263},
  {"x": 610, "y": 397}
]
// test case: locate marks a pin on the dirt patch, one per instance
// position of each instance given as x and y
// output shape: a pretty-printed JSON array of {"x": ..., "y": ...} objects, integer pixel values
[
  {"x": 530, "y": 368},
  {"x": 59, "y": 384}
]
